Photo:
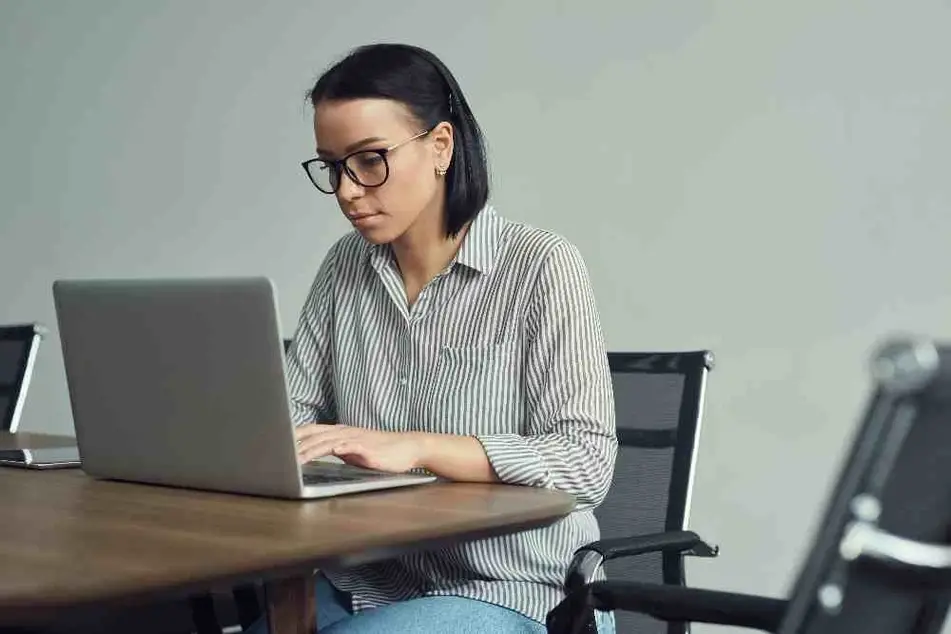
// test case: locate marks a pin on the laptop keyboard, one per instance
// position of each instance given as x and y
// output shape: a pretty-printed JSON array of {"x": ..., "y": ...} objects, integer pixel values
[{"x": 331, "y": 473}]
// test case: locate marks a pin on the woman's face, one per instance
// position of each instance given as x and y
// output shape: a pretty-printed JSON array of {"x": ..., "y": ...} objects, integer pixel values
[{"x": 412, "y": 192}]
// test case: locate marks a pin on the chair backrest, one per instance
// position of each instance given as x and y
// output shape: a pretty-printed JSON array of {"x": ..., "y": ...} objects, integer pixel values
[
  {"x": 18, "y": 348},
  {"x": 658, "y": 405},
  {"x": 875, "y": 566}
]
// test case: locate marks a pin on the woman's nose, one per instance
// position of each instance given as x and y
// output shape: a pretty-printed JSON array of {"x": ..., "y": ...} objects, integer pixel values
[{"x": 349, "y": 189}]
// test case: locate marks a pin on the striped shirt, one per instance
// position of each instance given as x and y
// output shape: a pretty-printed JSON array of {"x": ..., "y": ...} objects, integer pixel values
[{"x": 504, "y": 345}]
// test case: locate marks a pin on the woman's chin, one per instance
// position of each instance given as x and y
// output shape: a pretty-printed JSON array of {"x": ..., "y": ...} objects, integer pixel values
[{"x": 378, "y": 234}]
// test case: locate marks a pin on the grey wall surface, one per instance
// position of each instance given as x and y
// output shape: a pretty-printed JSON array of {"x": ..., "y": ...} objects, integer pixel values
[{"x": 768, "y": 180}]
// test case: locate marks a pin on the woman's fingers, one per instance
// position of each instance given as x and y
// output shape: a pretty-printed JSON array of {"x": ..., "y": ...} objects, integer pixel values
[
  {"x": 352, "y": 453},
  {"x": 314, "y": 450},
  {"x": 307, "y": 435},
  {"x": 318, "y": 440},
  {"x": 318, "y": 445},
  {"x": 323, "y": 443},
  {"x": 309, "y": 430},
  {"x": 347, "y": 448}
]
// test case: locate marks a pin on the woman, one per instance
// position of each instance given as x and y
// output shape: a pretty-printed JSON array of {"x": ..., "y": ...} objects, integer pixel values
[{"x": 440, "y": 336}]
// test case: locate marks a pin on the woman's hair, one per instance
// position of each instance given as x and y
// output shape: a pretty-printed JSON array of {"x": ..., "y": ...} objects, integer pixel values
[{"x": 416, "y": 78}]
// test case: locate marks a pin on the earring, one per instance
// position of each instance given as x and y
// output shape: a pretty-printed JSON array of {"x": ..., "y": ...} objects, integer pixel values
[{"x": 441, "y": 171}]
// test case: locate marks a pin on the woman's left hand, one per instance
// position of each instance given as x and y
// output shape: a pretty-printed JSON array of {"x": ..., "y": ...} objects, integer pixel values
[{"x": 396, "y": 452}]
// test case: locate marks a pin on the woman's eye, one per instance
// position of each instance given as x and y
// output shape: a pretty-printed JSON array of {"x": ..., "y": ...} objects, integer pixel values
[{"x": 369, "y": 160}]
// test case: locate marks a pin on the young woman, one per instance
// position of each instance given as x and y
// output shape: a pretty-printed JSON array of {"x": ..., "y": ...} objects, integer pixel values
[{"x": 440, "y": 336}]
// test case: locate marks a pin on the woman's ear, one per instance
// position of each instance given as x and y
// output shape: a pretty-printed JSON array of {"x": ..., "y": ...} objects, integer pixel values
[{"x": 442, "y": 136}]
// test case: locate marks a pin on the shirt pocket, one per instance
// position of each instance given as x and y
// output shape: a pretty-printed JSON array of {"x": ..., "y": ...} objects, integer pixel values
[{"x": 476, "y": 390}]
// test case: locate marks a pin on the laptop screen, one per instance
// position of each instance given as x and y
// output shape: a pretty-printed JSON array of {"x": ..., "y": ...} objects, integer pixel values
[{"x": 17, "y": 345}]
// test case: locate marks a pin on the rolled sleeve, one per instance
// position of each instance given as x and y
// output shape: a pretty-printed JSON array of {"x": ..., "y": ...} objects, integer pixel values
[{"x": 571, "y": 443}]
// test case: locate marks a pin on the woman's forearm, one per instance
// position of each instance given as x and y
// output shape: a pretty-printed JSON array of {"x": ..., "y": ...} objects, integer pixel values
[{"x": 460, "y": 458}]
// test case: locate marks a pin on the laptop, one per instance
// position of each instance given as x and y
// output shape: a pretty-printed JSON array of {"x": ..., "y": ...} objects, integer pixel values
[
  {"x": 181, "y": 382},
  {"x": 19, "y": 344},
  {"x": 40, "y": 457}
]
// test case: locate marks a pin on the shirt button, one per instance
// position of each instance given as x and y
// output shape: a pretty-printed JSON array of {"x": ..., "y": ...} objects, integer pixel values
[{"x": 402, "y": 380}]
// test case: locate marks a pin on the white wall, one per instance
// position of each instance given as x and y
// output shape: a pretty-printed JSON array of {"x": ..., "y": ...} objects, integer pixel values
[{"x": 765, "y": 179}]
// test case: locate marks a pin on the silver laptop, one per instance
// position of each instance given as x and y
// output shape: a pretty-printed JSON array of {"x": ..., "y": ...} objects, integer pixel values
[
  {"x": 181, "y": 383},
  {"x": 18, "y": 347}
]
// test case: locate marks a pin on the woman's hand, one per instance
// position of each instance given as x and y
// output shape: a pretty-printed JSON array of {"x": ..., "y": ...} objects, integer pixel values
[
  {"x": 460, "y": 458},
  {"x": 396, "y": 452}
]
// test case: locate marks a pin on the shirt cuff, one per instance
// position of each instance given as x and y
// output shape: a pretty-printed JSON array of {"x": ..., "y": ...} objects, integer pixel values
[{"x": 514, "y": 460}]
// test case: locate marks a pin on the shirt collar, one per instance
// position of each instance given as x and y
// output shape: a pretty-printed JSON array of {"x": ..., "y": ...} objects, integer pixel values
[
  {"x": 477, "y": 252},
  {"x": 481, "y": 244}
]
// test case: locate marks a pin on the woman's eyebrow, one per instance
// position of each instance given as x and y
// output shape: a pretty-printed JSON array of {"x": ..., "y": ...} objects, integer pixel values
[{"x": 353, "y": 146}]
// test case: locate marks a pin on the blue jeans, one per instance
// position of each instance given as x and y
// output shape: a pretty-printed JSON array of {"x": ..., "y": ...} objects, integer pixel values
[{"x": 425, "y": 615}]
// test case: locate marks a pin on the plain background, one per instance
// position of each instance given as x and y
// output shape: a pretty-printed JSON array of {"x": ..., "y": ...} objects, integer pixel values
[{"x": 765, "y": 179}]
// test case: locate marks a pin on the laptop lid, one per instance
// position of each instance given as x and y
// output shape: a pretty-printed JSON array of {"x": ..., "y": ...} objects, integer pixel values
[
  {"x": 179, "y": 382},
  {"x": 18, "y": 347}
]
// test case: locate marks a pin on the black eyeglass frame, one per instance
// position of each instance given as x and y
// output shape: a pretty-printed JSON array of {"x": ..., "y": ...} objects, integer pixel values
[{"x": 339, "y": 166}]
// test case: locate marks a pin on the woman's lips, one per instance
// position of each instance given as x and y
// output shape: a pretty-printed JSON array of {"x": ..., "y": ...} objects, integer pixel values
[{"x": 364, "y": 220}]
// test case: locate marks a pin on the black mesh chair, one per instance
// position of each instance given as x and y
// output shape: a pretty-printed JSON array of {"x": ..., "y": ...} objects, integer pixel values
[
  {"x": 881, "y": 557},
  {"x": 644, "y": 537},
  {"x": 659, "y": 402}
]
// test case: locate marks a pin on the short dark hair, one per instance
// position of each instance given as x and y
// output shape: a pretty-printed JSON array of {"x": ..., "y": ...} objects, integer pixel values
[{"x": 417, "y": 78}]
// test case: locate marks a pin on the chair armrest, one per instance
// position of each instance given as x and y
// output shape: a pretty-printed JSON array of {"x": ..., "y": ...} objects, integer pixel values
[
  {"x": 589, "y": 558},
  {"x": 667, "y": 603},
  {"x": 686, "y": 542}
]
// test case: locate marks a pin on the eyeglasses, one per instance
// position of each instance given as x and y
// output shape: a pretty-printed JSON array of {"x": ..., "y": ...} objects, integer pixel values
[{"x": 367, "y": 168}]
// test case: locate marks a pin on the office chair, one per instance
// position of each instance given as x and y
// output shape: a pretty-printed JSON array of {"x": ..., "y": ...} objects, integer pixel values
[
  {"x": 658, "y": 400},
  {"x": 18, "y": 347},
  {"x": 881, "y": 559},
  {"x": 659, "y": 403}
]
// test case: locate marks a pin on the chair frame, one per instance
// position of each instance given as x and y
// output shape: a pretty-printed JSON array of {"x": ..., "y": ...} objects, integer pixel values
[
  {"x": 909, "y": 374},
  {"x": 676, "y": 541}
]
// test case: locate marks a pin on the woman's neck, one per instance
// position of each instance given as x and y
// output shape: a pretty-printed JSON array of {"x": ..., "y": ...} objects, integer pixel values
[{"x": 423, "y": 253}]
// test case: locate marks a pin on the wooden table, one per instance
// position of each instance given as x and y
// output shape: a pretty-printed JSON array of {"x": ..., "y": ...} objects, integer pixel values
[{"x": 68, "y": 541}]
